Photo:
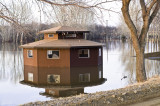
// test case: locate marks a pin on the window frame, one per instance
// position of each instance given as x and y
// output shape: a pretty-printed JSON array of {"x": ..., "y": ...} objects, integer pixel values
[
  {"x": 100, "y": 52},
  {"x": 31, "y": 53},
  {"x": 84, "y": 57},
  {"x": 49, "y": 35},
  {"x": 53, "y": 58}
]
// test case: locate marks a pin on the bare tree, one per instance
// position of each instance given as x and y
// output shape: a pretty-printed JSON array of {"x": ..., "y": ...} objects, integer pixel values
[{"x": 149, "y": 11}]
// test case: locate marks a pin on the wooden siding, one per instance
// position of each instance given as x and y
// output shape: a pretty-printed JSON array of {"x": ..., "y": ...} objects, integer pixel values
[
  {"x": 69, "y": 66},
  {"x": 64, "y": 73},
  {"x": 64, "y": 92},
  {"x": 63, "y": 61},
  {"x": 54, "y": 37},
  {"x": 78, "y": 62},
  {"x": 75, "y": 71},
  {"x": 30, "y": 61},
  {"x": 31, "y": 69}
]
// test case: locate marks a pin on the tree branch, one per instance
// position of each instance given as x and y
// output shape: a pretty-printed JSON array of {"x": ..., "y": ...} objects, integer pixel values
[
  {"x": 151, "y": 6},
  {"x": 143, "y": 6},
  {"x": 155, "y": 11},
  {"x": 147, "y": 20},
  {"x": 81, "y": 6},
  {"x": 130, "y": 24}
]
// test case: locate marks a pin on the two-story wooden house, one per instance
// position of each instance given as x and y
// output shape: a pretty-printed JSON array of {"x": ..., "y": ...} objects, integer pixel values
[{"x": 64, "y": 57}]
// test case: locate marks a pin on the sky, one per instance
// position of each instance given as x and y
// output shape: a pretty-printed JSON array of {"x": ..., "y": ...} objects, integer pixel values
[
  {"x": 104, "y": 17},
  {"x": 111, "y": 17}
]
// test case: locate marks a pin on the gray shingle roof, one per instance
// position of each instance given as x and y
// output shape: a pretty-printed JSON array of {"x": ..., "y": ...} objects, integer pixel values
[
  {"x": 62, "y": 43},
  {"x": 61, "y": 29}
]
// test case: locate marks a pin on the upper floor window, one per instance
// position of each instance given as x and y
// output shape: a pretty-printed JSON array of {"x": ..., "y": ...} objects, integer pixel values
[
  {"x": 30, "y": 53},
  {"x": 53, "y": 54},
  {"x": 50, "y": 35},
  {"x": 84, "y": 53},
  {"x": 100, "y": 52},
  {"x": 71, "y": 35}
]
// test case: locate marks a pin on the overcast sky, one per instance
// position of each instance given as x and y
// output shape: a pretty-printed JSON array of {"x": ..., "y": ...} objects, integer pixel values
[{"x": 107, "y": 17}]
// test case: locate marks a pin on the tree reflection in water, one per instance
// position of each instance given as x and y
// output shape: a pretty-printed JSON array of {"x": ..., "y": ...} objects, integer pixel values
[
  {"x": 129, "y": 61},
  {"x": 11, "y": 59}
]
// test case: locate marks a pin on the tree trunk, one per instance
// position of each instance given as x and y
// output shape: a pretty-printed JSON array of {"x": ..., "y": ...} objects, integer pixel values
[{"x": 140, "y": 67}]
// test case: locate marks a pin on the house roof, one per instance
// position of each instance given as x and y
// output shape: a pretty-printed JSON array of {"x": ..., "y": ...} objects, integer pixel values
[
  {"x": 63, "y": 43},
  {"x": 61, "y": 29}
]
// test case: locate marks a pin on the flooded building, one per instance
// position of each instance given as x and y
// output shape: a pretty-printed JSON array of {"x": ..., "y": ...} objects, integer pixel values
[{"x": 64, "y": 57}]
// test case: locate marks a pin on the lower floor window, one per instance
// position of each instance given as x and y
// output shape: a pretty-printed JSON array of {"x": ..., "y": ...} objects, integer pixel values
[
  {"x": 54, "y": 79},
  {"x": 30, "y": 77},
  {"x": 84, "y": 77}
]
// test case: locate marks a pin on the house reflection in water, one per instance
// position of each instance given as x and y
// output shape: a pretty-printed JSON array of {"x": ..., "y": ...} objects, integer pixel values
[
  {"x": 63, "y": 58},
  {"x": 62, "y": 92}
]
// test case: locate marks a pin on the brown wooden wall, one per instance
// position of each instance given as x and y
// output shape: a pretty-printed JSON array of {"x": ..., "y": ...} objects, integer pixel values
[
  {"x": 64, "y": 73},
  {"x": 54, "y": 37},
  {"x": 75, "y": 71},
  {"x": 78, "y": 62},
  {"x": 31, "y": 69},
  {"x": 30, "y": 61},
  {"x": 63, "y": 61},
  {"x": 65, "y": 92},
  {"x": 69, "y": 66}
]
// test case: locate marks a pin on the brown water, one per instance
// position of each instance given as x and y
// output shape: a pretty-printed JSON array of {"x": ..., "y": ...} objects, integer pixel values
[{"x": 118, "y": 61}]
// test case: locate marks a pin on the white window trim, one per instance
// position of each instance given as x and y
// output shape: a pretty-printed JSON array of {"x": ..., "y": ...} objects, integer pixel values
[
  {"x": 100, "y": 52},
  {"x": 100, "y": 74},
  {"x": 53, "y": 58},
  {"x": 88, "y": 53},
  {"x": 50, "y": 34},
  {"x": 28, "y": 55}
]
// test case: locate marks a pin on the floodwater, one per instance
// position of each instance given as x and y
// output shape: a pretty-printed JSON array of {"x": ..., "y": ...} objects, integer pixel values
[{"x": 118, "y": 61}]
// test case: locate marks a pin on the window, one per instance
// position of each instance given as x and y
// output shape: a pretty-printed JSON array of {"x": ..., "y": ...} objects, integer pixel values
[
  {"x": 30, "y": 77},
  {"x": 30, "y": 53},
  {"x": 83, "y": 53},
  {"x": 100, "y": 53},
  {"x": 54, "y": 79},
  {"x": 71, "y": 35},
  {"x": 53, "y": 54},
  {"x": 100, "y": 74},
  {"x": 50, "y": 35},
  {"x": 84, "y": 77}
]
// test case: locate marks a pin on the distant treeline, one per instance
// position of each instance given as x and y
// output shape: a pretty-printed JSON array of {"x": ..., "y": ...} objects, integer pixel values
[{"x": 28, "y": 32}]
